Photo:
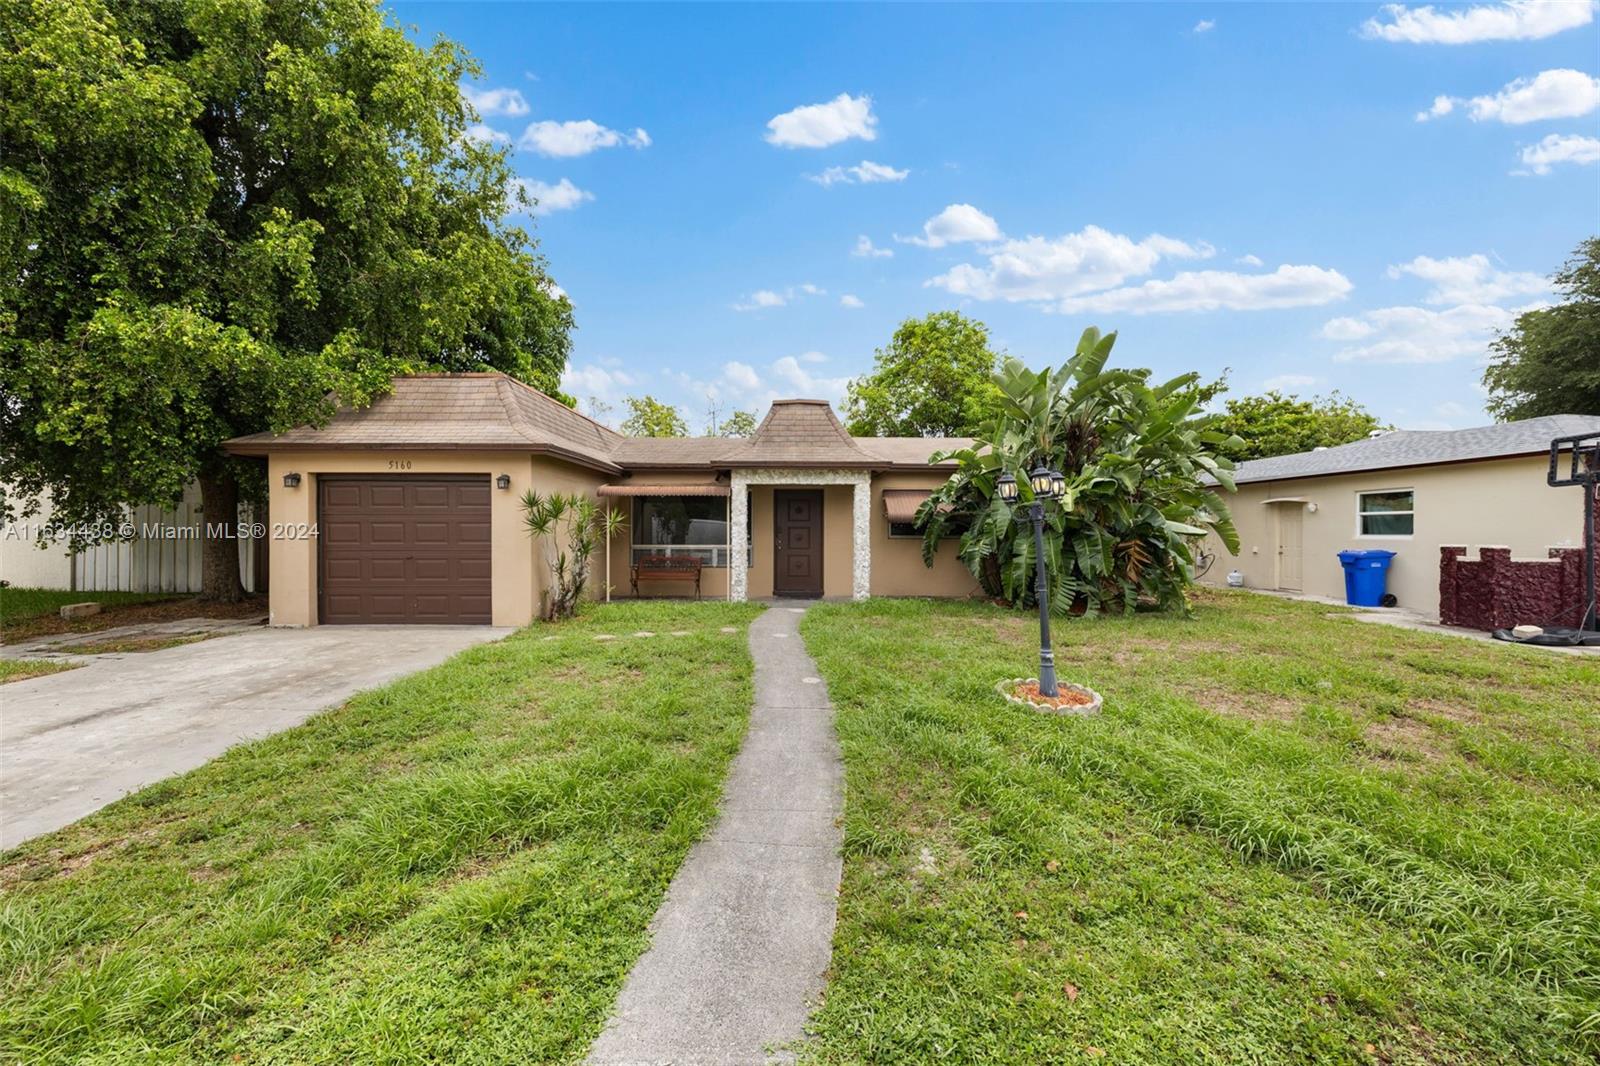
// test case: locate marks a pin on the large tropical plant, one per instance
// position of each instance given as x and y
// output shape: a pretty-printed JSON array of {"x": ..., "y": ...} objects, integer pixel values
[{"x": 1141, "y": 462}]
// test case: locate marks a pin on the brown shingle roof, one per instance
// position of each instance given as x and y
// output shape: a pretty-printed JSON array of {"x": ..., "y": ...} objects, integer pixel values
[
  {"x": 493, "y": 412},
  {"x": 489, "y": 412},
  {"x": 798, "y": 433}
]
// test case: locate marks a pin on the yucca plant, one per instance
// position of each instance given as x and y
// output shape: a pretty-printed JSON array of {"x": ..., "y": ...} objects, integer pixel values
[
  {"x": 585, "y": 526},
  {"x": 1136, "y": 457}
]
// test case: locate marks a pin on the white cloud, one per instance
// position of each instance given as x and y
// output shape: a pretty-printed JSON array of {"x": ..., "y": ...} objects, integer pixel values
[
  {"x": 563, "y": 140},
  {"x": 1040, "y": 268},
  {"x": 819, "y": 125},
  {"x": 1205, "y": 26},
  {"x": 953, "y": 225},
  {"x": 865, "y": 173},
  {"x": 489, "y": 102},
  {"x": 864, "y": 249},
  {"x": 562, "y": 196},
  {"x": 1560, "y": 93},
  {"x": 1418, "y": 334},
  {"x": 589, "y": 383},
  {"x": 1468, "y": 279},
  {"x": 1560, "y": 148},
  {"x": 1249, "y": 260},
  {"x": 1514, "y": 20},
  {"x": 485, "y": 134},
  {"x": 1288, "y": 382},
  {"x": 1214, "y": 290},
  {"x": 813, "y": 357},
  {"x": 850, "y": 301},
  {"x": 802, "y": 384},
  {"x": 741, "y": 375},
  {"x": 762, "y": 299}
]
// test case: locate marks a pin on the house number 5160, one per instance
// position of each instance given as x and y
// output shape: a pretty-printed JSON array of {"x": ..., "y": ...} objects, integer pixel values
[{"x": 399, "y": 464}]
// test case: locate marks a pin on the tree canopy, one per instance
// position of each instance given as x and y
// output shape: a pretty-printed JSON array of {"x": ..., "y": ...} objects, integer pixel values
[
  {"x": 935, "y": 378},
  {"x": 738, "y": 424},
  {"x": 217, "y": 215},
  {"x": 649, "y": 417},
  {"x": 1274, "y": 424},
  {"x": 1548, "y": 362}
]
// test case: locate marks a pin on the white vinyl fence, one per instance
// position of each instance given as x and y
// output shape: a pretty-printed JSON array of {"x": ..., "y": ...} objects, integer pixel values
[{"x": 164, "y": 554}]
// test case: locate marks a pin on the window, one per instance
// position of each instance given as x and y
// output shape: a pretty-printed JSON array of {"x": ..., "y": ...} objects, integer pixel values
[
  {"x": 694, "y": 527},
  {"x": 1386, "y": 514},
  {"x": 953, "y": 528}
]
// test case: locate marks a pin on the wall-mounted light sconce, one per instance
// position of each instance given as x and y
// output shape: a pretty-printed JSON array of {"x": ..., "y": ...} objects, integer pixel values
[
  {"x": 291, "y": 481},
  {"x": 503, "y": 481}
]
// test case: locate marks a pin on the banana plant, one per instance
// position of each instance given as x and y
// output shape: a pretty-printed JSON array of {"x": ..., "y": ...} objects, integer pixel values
[{"x": 1144, "y": 474}]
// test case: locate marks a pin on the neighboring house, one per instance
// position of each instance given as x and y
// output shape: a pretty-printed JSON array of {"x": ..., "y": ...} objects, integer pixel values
[
  {"x": 162, "y": 555},
  {"x": 1407, "y": 491},
  {"x": 410, "y": 510}
]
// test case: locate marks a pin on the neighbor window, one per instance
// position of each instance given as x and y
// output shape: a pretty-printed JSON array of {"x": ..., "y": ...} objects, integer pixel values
[
  {"x": 953, "y": 528},
  {"x": 1386, "y": 514}
]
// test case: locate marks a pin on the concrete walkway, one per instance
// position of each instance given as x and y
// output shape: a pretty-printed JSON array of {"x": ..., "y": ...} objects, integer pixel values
[
  {"x": 740, "y": 946},
  {"x": 72, "y": 742}
]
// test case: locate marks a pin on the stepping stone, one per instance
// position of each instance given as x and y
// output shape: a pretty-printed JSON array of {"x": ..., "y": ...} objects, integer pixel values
[
  {"x": 679, "y": 633},
  {"x": 644, "y": 633},
  {"x": 730, "y": 629},
  {"x": 604, "y": 636},
  {"x": 550, "y": 637},
  {"x": 811, "y": 680}
]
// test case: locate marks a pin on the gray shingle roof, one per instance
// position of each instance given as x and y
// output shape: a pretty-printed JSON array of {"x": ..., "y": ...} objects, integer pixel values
[{"x": 1418, "y": 447}]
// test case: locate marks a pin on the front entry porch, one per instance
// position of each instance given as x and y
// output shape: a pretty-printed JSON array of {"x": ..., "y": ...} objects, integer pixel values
[{"x": 809, "y": 531}]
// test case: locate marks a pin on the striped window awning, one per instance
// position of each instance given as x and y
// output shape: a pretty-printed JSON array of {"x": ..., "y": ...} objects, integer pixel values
[
  {"x": 701, "y": 488},
  {"x": 900, "y": 505}
]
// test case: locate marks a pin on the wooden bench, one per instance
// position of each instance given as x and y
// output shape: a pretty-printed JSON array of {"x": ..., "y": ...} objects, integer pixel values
[{"x": 666, "y": 568}]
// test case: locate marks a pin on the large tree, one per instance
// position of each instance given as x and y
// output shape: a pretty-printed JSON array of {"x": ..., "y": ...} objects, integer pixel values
[
  {"x": 1274, "y": 424},
  {"x": 218, "y": 216},
  {"x": 650, "y": 417},
  {"x": 934, "y": 379},
  {"x": 1548, "y": 362}
]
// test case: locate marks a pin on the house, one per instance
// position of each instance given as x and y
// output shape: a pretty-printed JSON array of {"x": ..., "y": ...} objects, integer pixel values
[
  {"x": 1411, "y": 492},
  {"x": 409, "y": 510}
]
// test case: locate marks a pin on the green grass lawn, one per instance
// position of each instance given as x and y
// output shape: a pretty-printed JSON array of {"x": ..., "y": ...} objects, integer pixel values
[
  {"x": 458, "y": 867},
  {"x": 22, "y": 669},
  {"x": 19, "y": 605},
  {"x": 1288, "y": 838}
]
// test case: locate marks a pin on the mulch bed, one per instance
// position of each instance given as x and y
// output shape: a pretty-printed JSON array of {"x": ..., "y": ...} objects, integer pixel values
[
  {"x": 134, "y": 614},
  {"x": 1029, "y": 690}
]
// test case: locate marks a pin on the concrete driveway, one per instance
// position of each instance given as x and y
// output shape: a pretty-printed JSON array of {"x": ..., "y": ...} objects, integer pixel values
[{"x": 72, "y": 742}]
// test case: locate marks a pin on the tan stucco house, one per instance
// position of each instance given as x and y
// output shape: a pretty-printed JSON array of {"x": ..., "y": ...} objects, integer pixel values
[
  {"x": 1408, "y": 491},
  {"x": 409, "y": 510}
]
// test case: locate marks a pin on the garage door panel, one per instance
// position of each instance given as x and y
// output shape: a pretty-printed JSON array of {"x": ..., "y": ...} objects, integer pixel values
[{"x": 405, "y": 548}]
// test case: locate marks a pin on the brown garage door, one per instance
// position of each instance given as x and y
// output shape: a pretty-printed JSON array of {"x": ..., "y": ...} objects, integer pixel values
[{"x": 404, "y": 548}]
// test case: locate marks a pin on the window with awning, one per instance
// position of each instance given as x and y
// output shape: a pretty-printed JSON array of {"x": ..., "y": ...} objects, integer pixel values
[{"x": 900, "y": 509}]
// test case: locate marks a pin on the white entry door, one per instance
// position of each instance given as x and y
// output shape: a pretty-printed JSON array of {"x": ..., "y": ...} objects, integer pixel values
[{"x": 1289, "y": 550}]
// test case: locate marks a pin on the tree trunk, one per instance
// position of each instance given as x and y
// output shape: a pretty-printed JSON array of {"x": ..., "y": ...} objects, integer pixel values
[{"x": 219, "y": 560}]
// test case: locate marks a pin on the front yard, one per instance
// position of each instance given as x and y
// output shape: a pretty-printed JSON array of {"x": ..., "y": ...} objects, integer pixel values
[
  {"x": 1288, "y": 838},
  {"x": 458, "y": 867}
]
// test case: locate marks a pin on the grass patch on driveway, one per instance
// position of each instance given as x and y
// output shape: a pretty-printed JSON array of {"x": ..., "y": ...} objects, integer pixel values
[
  {"x": 457, "y": 867},
  {"x": 22, "y": 669},
  {"x": 1288, "y": 838}
]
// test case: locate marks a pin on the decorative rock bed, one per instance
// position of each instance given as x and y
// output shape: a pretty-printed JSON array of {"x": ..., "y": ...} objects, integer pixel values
[{"x": 1072, "y": 699}]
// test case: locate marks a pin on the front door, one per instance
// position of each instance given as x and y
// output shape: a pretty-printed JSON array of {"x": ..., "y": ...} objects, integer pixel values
[
  {"x": 797, "y": 554},
  {"x": 1289, "y": 551}
]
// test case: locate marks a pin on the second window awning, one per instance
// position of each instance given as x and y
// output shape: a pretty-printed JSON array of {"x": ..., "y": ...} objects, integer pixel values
[
  {"x": 702, "y": 488},
  {"x": 900, "y": 505}
]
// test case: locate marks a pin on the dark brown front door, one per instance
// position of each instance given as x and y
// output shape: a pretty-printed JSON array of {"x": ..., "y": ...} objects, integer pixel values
[
  {"x": 797, "y": 558},
  {"x": 407, "y": 548}
]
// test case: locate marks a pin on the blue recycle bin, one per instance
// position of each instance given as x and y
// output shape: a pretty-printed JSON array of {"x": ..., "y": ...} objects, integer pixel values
[{"x": 1366, "y": 576}]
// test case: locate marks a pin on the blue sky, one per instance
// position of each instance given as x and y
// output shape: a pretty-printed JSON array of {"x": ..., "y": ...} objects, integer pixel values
[{"x": 1316, "y": 196}]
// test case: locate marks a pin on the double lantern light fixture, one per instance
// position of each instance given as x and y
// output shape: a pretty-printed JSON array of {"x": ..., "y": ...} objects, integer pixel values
[{"x": 1047, "y": 484}]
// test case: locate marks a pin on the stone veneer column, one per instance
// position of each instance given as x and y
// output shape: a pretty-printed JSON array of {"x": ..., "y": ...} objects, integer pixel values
[
  {"x": 861, "y": 561},
  {"x": 739, "y": 524}
]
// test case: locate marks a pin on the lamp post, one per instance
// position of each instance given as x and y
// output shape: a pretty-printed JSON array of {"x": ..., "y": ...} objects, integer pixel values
[{"x": 1047, "y": 484}]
